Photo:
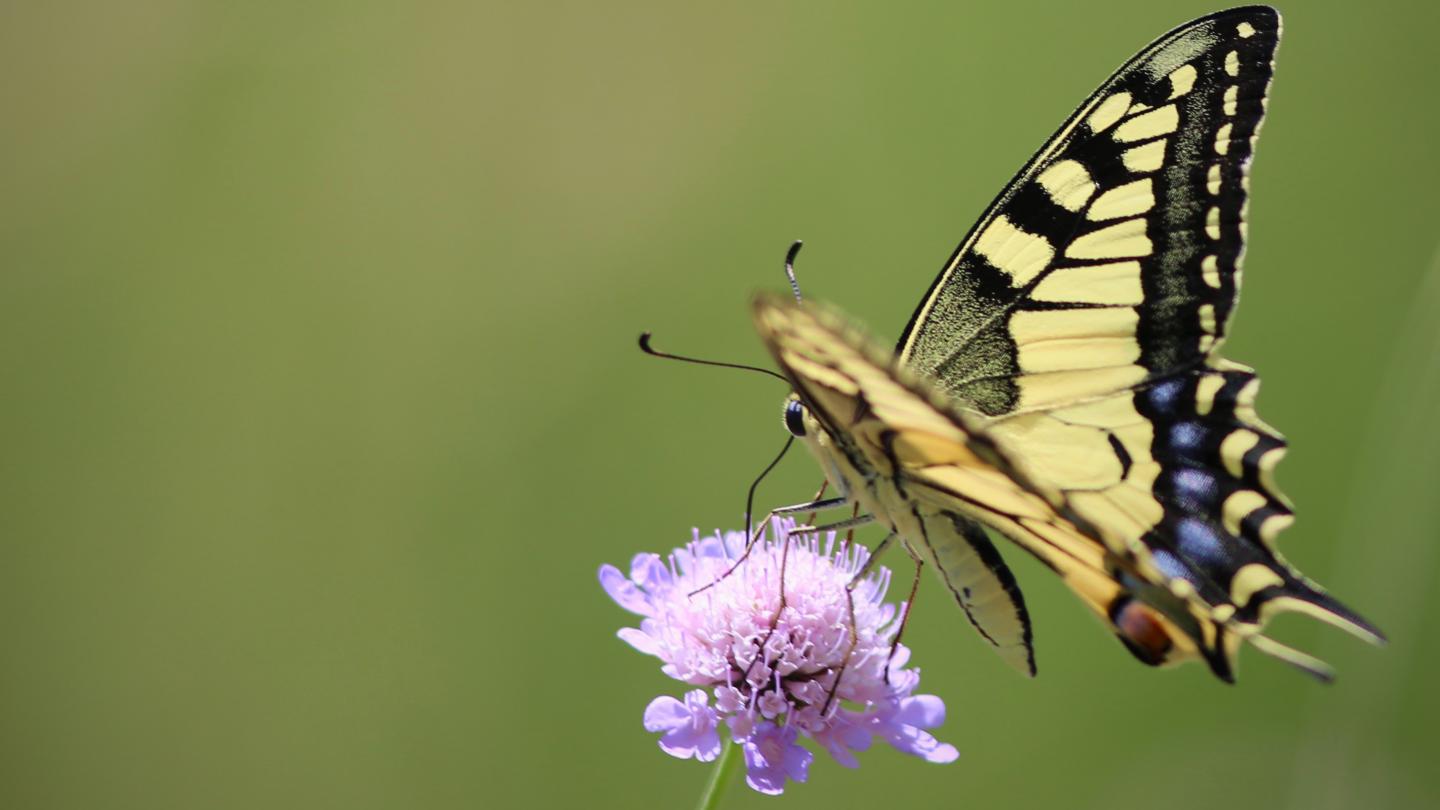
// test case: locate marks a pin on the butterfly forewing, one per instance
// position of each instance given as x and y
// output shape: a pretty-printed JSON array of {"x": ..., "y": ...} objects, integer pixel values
[
  {"x": 873, "y": 433},
  {"x": 1112, "y": 257}
]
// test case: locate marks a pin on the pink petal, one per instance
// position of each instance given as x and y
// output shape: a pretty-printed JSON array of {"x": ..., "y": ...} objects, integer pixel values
[
  {"x": 624, "y": 592},
  {"x": 649, "y": 572},
  {"x": 639, "y": 640},
  {"x": 925, "y": 711},
  {"x": 665, "y": 713}
]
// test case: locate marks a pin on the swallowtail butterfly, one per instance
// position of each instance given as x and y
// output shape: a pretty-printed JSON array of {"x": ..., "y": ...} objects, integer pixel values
[{"x": 1060, "y": 385}]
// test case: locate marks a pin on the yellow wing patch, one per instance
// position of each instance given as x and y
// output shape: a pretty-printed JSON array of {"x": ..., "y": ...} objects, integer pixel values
[{"x": 910, "y": 460}]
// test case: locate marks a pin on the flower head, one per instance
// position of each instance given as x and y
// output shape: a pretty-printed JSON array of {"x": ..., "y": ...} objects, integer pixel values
[{"x": 775, "y": 675}]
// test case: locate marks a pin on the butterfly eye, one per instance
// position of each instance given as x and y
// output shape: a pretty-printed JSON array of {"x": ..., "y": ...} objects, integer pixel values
[{"x": 795, "y": 417}]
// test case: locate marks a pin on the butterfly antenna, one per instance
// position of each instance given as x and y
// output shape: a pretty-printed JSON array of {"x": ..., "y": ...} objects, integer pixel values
[
  {"x": 790, "y": 268},
  {"x": 654, "y": 352},
  {"x": 752, "y": 536}
]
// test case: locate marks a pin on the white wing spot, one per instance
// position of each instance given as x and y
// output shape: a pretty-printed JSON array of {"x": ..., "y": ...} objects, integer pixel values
[
  {"x": 1040, "y": 390},
  {"x": 1107, "y": 112},
  {"x": 1068, "y": 184},
  {"x": 1147, "y": 158},
  {"x": 1205, "y": 392},
  {"x": 1021, "y": 254},
  {"x": 1245, "y": 401},
  {"x": 1267, "y": 467},
  {"x": 1212, "y": 179},
  {"x": 1251, "y": 580},
  {"x": 1212, "y": 222},
  {"x": 1068, "y": 340},
  {"x": 1272, "y": 527},
  {"x": 1232, "y": 98},
  {"x": 1115, "y": 284},
  {"x": 1245, "y": 30},
  {"x": 1234, "y": 447},
  {"x": 1152, "y": 124},
  {"x": 1232, "y": 63},
  {"x": 1240, "y": 503},
  {"x": 1123, "y": 240},
  {"x": 1128, "y": 200},
  {"x": 1210, "y": 271},
  {"x": 1222, "y": 139},
  {"x": 1182, "y": 79}
]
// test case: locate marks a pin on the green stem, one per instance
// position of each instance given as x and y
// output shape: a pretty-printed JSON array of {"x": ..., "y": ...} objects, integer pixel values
[{"x": 720, "y": 778}]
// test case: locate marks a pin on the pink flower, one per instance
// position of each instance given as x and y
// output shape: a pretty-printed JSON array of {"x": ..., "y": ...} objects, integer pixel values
[
  {"x": 689, "y": 727},
  {"x": 773, "y": 680}
]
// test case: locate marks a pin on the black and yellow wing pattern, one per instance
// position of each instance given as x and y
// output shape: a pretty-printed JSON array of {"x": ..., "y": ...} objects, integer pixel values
[
  {"x": 1075, "y": 334},
  {"x": 928, "y": 472}
]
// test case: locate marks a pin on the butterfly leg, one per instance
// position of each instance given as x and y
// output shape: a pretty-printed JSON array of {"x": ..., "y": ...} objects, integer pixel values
[
  {"x": 851, "y": 523},
  {"x": 858, "y": 520},
  {"x": 909, "y": 603},
  {"x": 779, "y": 607},
  {"x": 870, "y": 561},
  {"x": 824, "y": 485},
  {"x": 850, "y": 608},
  {"x": 785, "y": 555},
  {"x": 759, "y": 531},
  {"x": 811, "y": 506}
]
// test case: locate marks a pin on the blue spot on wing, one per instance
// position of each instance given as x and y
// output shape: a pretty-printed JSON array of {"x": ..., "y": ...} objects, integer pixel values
[
  {"x": 1187, "y": 438},
  {"x": 1201, "y": 543},
  {"x": 1194, "y": 489},
  {"x": 1165, "y": 396},
  {"x": 1171, "y": 565}
]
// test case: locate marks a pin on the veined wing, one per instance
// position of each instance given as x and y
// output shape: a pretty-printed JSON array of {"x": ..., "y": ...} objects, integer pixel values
[
  {"x": 1084, "y": 312},
  {"x": 1178, "y": 478},
  {"x": 888, "y": 430},
  {"x": 1112, "y": 258},
  {"x": 976, "y": 575},
  {"x": 860, "y": 419},
  {"x": 1206, "y": 582}
]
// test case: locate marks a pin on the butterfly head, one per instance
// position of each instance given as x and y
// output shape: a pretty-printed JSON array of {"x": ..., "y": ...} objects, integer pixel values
[
  {"x": 800, "y": 422},
  {"x": 795, "y": 416}
]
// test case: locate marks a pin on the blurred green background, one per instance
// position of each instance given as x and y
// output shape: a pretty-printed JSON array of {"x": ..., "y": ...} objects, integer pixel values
[{"x": 321, "y": 404}]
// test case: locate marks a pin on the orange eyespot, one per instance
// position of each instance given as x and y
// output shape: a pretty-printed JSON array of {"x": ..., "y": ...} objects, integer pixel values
[{"x": 1139, "y": 627}]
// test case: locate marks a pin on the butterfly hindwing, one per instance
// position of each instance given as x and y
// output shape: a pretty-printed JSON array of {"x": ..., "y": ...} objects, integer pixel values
[
  {"x": 982, "y": 585},
  {"x": 1221, "y": 509}
]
